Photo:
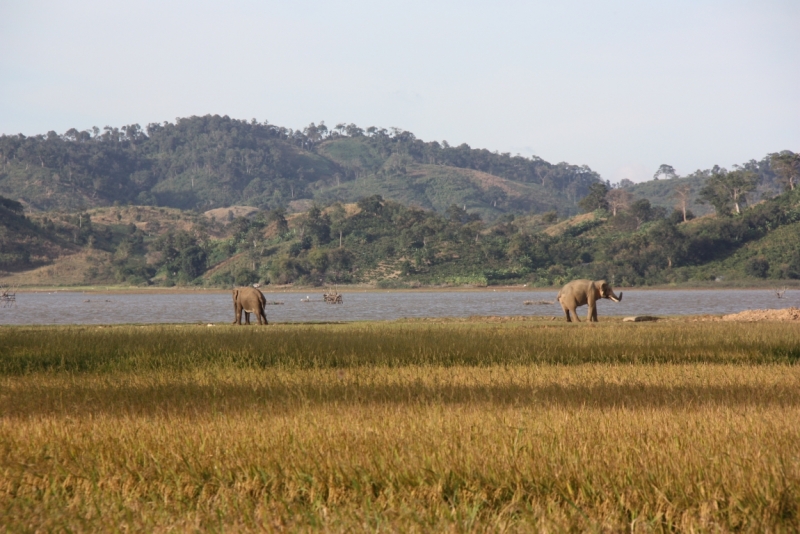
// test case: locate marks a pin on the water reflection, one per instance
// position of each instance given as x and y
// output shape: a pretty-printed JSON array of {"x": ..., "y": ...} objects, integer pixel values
[{"x": 92, "y": 308}]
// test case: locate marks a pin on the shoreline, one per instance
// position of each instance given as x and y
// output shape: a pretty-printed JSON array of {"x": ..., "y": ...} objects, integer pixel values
[{"x": 158, "y": 290}]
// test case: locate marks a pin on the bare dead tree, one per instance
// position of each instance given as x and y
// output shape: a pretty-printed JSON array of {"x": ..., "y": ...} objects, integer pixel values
[
  {"x": 618, "y": 199},
  {"x": 681, "y": 194}
]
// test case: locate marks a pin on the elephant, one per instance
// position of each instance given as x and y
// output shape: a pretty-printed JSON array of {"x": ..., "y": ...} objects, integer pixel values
[
  {"x": 580, "y": 292},
  {"x": 248, "y": 300}
]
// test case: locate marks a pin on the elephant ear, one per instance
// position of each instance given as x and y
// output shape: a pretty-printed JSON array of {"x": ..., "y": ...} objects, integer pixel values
[
  {"x": 604, "y": 288},
  {"x": 597, "y": 287}
]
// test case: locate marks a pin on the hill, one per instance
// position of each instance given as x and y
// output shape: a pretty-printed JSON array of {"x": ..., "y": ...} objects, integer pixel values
[
  {"x": 23, "y": 244},
  {"x": 215, "y": 201},
  {"x": 662, "y": 192},
  {"x": 210, "y": 162},
  {"x": 775, "y": 256},
  {"x": 386, "y": 244},
  {"x": 433, "y": 176},
  {"x": 101, "y": 245},
  {"x": 437, "y": 187}
]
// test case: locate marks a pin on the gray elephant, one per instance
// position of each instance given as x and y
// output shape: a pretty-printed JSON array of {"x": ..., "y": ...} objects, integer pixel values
[
  {"x": 580, "y": 292},
  {"x": 248, "y": 300}
]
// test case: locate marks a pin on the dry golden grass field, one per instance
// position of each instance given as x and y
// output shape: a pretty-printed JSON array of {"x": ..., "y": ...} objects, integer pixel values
[{"x": 402, "y": 426}]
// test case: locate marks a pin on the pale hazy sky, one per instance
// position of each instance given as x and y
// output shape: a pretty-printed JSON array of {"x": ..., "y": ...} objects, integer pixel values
[{"x": 621, "y": 86}]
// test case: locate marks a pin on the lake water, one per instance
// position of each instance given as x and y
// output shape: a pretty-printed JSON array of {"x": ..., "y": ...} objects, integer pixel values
[{"x": 65, "y": 307}]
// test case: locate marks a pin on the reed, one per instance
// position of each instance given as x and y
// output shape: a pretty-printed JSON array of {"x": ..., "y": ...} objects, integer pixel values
[{"x": 697, "y": 437}]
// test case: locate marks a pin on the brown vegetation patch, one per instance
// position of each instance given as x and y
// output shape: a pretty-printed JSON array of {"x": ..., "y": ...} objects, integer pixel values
[
  {"x": 143, "y": 218},
  {"x": 561, "y": 227},
  {"x": 300, "y": 206},
  {"x": 486, "y": 180},
  {"x": 785, "y": 314},
  {"x": 221, "y": 214},
  {"x": 482, "y": 179},
  {"x": 350, "y": 209},
  {"x": 73, "y": 269}
]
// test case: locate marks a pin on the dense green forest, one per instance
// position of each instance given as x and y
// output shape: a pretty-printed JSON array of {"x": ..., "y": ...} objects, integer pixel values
[
  {"x": 347, "y": 205},
  {"x": 212, "y": 161}
]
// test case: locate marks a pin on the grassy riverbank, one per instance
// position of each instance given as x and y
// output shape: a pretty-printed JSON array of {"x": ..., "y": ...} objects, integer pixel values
[{"x": 461, "y": 425}]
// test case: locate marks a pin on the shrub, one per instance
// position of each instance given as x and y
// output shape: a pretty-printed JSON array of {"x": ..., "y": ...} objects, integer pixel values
[
  {"x": 550, "y": 217},
  {"x": 245, "y": 277},
  {"x": 793, "y": 268},
  {"x": 757, "y": 267}
]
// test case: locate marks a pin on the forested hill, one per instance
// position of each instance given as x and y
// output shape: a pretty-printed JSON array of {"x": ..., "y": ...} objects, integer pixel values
[
  {"x": 665, "y": 192},
  {"x": 387, "y": 244},
  {"x": 212, "y": 161}
]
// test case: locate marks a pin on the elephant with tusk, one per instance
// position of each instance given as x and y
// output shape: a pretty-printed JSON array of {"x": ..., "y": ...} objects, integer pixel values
[{"x": 580, "y": 292}]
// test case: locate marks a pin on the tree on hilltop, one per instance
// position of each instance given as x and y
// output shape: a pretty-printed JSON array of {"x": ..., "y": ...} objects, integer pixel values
[
  {"x": 665, "y": 171},
  {"x": 786, "y": 165}
]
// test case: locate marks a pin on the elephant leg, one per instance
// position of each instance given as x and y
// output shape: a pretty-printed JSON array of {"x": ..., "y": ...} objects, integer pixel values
[
  {"x": 575, "y": 313},
  {"x": 566, "y": 313},
  {"x": 246, "y": 317},
  {"x": 264, "y": 316},
  {"x": 592, "y": 315},
  {"x": 591, "y": 303},
  {"x": 237, "y": 314}
]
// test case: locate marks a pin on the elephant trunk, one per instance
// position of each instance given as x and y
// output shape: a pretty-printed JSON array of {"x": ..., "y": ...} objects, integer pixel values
[{"x": 615, "y": 298}]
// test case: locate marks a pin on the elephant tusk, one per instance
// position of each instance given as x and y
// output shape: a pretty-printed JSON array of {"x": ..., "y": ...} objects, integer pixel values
[{"x": 615, "y": 299}]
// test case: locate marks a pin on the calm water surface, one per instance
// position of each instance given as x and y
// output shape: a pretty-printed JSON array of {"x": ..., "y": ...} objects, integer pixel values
[{"x": 95, "y": 308}]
